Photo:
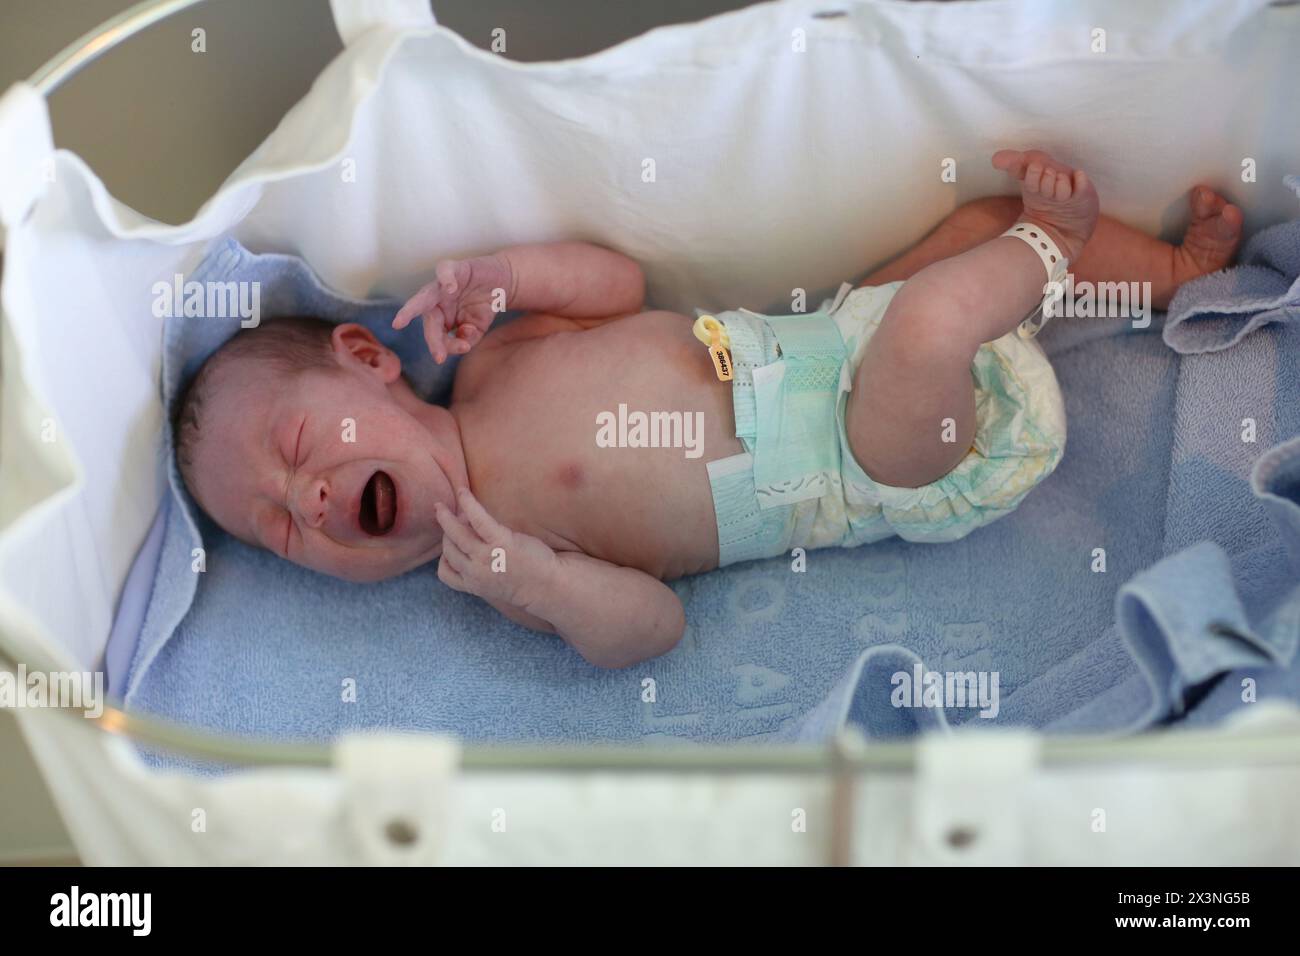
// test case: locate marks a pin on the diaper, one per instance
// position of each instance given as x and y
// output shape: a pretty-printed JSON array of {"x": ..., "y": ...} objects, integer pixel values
[{"x": 797, "y": 484}]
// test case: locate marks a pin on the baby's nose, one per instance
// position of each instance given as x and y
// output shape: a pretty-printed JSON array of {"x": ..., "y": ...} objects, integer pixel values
[{"x": 313, "y": 503}]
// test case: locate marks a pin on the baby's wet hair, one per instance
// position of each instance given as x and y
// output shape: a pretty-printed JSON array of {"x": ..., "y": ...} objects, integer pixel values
[{"x": 285, "y": 346}]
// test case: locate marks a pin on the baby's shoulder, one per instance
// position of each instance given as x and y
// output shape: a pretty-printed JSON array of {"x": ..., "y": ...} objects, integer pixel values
[{"x": 503, "y": 345}]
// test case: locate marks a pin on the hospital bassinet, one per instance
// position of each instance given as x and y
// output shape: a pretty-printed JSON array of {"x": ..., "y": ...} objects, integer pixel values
[{"x": 74, "y": 512}]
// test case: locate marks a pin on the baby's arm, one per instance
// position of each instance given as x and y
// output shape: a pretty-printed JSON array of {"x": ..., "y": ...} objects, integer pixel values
[
  {"x": 612, "y": 616},
  {"x": 574, "y": 280}
]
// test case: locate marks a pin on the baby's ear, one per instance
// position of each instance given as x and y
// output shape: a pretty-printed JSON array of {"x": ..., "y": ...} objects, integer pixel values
[{"x": 355, "y": 346}]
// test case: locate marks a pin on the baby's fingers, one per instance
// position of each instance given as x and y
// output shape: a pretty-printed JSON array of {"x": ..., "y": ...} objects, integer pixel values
[
  {"x": 456, "y": 533},
  {"x": 423, "y": 301},
  {"x": 455, "y": 557},
  {"x": 435, "y": 335},
  {"x": 447, "y": 272},
  {"x": 466, "y": 337},
  {"x": 484, "y": 525},
  {"x": 449, "y": 575}
]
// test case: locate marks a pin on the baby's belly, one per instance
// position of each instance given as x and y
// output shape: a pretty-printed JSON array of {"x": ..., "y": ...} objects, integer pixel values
[
  {"x": 616, "y": 427},
  {"x": 624, "y": 507}
]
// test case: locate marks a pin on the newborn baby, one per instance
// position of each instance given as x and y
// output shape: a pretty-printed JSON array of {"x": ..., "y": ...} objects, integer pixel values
[{"x": 909, "y": 406}]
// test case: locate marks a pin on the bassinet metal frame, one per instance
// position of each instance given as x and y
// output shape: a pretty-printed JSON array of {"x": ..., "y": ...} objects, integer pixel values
[{"x": 845, "y": 756}]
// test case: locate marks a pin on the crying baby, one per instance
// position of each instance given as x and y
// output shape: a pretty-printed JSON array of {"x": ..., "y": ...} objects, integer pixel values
[{"x": 593, "y": 449}]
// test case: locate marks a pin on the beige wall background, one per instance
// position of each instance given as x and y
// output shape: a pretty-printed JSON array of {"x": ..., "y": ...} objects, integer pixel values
[{"x": 163, "y": 126}]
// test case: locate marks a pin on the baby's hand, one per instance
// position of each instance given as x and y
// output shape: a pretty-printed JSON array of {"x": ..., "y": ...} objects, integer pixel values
[
  {"x": 458, "y": 308},
  {"x": 480, "y": 556}
]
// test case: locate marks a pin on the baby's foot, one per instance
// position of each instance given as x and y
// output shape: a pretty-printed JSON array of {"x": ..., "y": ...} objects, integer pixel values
[
  {"x": 1211, "y": 240},
  {"x": 1056, "y": 197}
]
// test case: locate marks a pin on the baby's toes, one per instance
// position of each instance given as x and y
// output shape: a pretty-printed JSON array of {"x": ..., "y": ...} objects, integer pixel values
[
  {"x": 1206, "y": 202},
  {"x": 1231, "y": 221},
  {"x": 1041, "y": 158},
  {"x": 1033, "y": 176},
  {"x": 1010, "y": 160},
  {"x": 1211, "y": 240},
  {"x": 1047, "y": 184},
  {"x": 1063, "y": 187}
]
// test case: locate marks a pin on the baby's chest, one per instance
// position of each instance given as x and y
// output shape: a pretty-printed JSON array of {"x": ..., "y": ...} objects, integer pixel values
[
  {"x": 562, "y": 384},
  {"x": 615, "y": 438}
]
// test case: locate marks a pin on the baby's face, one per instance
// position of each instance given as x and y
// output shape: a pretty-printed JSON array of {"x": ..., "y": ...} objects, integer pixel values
[{"x": 335, "y": 469}]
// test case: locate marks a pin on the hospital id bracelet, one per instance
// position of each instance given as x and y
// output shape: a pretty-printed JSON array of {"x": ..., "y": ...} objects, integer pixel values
[{"x": 1053, "y": 261}]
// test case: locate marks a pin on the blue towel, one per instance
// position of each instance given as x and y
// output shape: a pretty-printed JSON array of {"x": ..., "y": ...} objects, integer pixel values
[{"x": 1196, "y": 585}]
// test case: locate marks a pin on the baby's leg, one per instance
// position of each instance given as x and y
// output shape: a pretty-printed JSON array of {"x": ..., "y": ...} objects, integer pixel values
[
  {"x": 964, "y": 228},
  {"x": 916, "y": 372},
  {"x": 1115, "y": 253}
]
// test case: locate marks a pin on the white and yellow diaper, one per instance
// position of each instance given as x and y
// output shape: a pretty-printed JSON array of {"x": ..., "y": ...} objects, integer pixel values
[{"x": 798, "y": 485}]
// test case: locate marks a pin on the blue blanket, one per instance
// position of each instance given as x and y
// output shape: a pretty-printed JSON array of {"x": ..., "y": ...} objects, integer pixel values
[{"x": 1158, "y": 569}]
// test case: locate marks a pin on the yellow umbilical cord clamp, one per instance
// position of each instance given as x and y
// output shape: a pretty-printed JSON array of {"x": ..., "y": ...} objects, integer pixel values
[
  {"x": 704, "y": 328},
  {"x": 714, "y": 334}
]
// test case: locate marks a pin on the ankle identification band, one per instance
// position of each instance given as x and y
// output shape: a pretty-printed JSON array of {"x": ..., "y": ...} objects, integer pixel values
[{"x": 1055, "y": 264}]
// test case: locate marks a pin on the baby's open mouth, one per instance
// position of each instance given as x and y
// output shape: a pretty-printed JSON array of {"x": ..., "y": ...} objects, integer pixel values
[{"x": 378, "y": 504}]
